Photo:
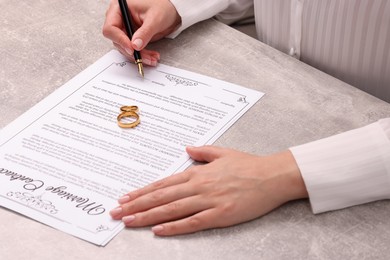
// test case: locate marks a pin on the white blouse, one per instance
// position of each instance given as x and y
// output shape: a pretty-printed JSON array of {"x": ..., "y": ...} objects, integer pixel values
[
  {"x": 347, "y": 39},
  {"x": 350, "y": 40}
]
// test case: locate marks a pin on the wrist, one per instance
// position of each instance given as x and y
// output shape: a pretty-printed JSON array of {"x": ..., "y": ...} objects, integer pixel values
[
  {"x": 175, "y": 15},
  {"x": 292, "y": 184}
]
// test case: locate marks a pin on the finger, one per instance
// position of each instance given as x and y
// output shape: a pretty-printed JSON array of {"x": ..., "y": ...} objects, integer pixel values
[
  {"x": 113, "y": 16},
  {"x": 145, "y": 33},
  {"x": 201, "y": 221},
  {"x": 119, "y": 37},
  {"x": 130, "y": 56},
  {"x": 153, "y": 54},
  {"x": 149, "y": 57},
  {"x": 205, "y": 153},
  {"x": 113, "y": 28},
  {"x": 152, "y": 200},
  {"x": 160, "y": 184},
  {"x": 172, "y": 211}
]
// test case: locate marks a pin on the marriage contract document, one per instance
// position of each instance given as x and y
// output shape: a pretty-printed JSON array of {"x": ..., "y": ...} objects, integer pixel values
[{"x": 65, "y": 162}]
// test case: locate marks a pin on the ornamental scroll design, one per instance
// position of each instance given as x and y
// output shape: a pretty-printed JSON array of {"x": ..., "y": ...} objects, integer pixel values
[
  {"x": 32, "y": 201},
  {"x": 101, "y": 228},
  {"x": 181, "y": 81},
  {"x": 121, "y": 64}
]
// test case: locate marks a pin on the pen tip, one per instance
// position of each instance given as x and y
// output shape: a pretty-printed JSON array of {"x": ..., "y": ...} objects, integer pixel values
[{"x": 140, "y": 67}]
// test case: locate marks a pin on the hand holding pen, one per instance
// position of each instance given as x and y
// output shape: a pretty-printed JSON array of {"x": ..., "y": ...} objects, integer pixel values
[
  {"x": 152, "y": 20},
  {"x": 127, "y": 21}
]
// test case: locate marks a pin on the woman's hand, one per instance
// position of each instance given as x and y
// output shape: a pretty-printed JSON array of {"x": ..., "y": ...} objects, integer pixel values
[
  {"x": 233, "y": 187},
  {"x": 153, "y": 19}
]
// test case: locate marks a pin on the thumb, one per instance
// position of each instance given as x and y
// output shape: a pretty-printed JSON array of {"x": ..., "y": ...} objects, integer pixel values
[
  {"x": 144, "y": 34},
  {"x": 207, "y": 153}
]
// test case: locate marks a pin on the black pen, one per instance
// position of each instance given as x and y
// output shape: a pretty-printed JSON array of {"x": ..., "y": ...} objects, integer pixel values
[{"x": 130, "y": 31}]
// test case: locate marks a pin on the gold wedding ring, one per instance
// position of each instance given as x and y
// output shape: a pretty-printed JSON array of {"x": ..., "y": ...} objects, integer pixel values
[
  {"x": 128, "y": 111},
  {"x": 129, "y": 108}
]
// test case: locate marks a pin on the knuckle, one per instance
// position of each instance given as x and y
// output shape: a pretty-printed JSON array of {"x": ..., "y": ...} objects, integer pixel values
[
  {"x": 228, "y": 209},
  {"x": 106, "y": 30},
  {"x": 194, "y": 223},
  {"x": 208, "y": 183},
  {"x": 146, "y": 32},
  {"x": 134, "y": 194},
  {"x": 128, "y": 208},
  {"x": 122, "y": 40},
  {"x": 171, "y": 209},
  {"x": 157, "y": 196},
  {"x": 171, "y": 229},
  {"x": 193, "y": 171},
  {"x": 159, "y": 184}
]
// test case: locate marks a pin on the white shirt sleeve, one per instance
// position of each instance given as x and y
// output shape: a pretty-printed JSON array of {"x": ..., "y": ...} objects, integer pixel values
[
  {"x": 347, "y": 169},
  {"x": 193, "y": 11}
]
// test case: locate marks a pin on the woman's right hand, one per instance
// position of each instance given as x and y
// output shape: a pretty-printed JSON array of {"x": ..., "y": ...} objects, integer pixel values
[
  {"x": 231, "y": 188},
  {"x": 153, "y": 20}
]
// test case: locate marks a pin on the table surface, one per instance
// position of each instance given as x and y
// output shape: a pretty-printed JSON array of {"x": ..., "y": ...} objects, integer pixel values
[{"x": 45, "y": 43}]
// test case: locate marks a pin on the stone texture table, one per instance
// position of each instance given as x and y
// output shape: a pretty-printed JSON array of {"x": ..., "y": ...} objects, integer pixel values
[{"x": 45, "y": 43}]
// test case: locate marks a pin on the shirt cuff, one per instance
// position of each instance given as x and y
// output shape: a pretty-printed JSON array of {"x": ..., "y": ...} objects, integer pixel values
[
  {"x": 347, "y": 169},
  {"x": 193, "y": 11}
]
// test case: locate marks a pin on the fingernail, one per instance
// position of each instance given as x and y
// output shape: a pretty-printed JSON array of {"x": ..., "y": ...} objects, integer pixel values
[
  {"x": 157, "y": 229},
  {"x": 147, "y": 61},
  {"x": 138, "y": 43},
  {"x": 116, "y": 211},
  {"x": 156, "y": 56},
  {"x": 128, "y": 219},
  {"x": 124, "y": 199},
  {"x": 154, "y": 63},
  {"x": 129, "y": 51}
]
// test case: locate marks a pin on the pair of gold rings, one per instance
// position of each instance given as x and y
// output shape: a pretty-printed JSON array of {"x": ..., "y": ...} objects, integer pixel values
[{"x": 128, "y": 112}]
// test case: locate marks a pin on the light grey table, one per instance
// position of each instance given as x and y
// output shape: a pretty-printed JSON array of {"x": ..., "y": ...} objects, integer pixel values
[{"x": 45, "y": 43}]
